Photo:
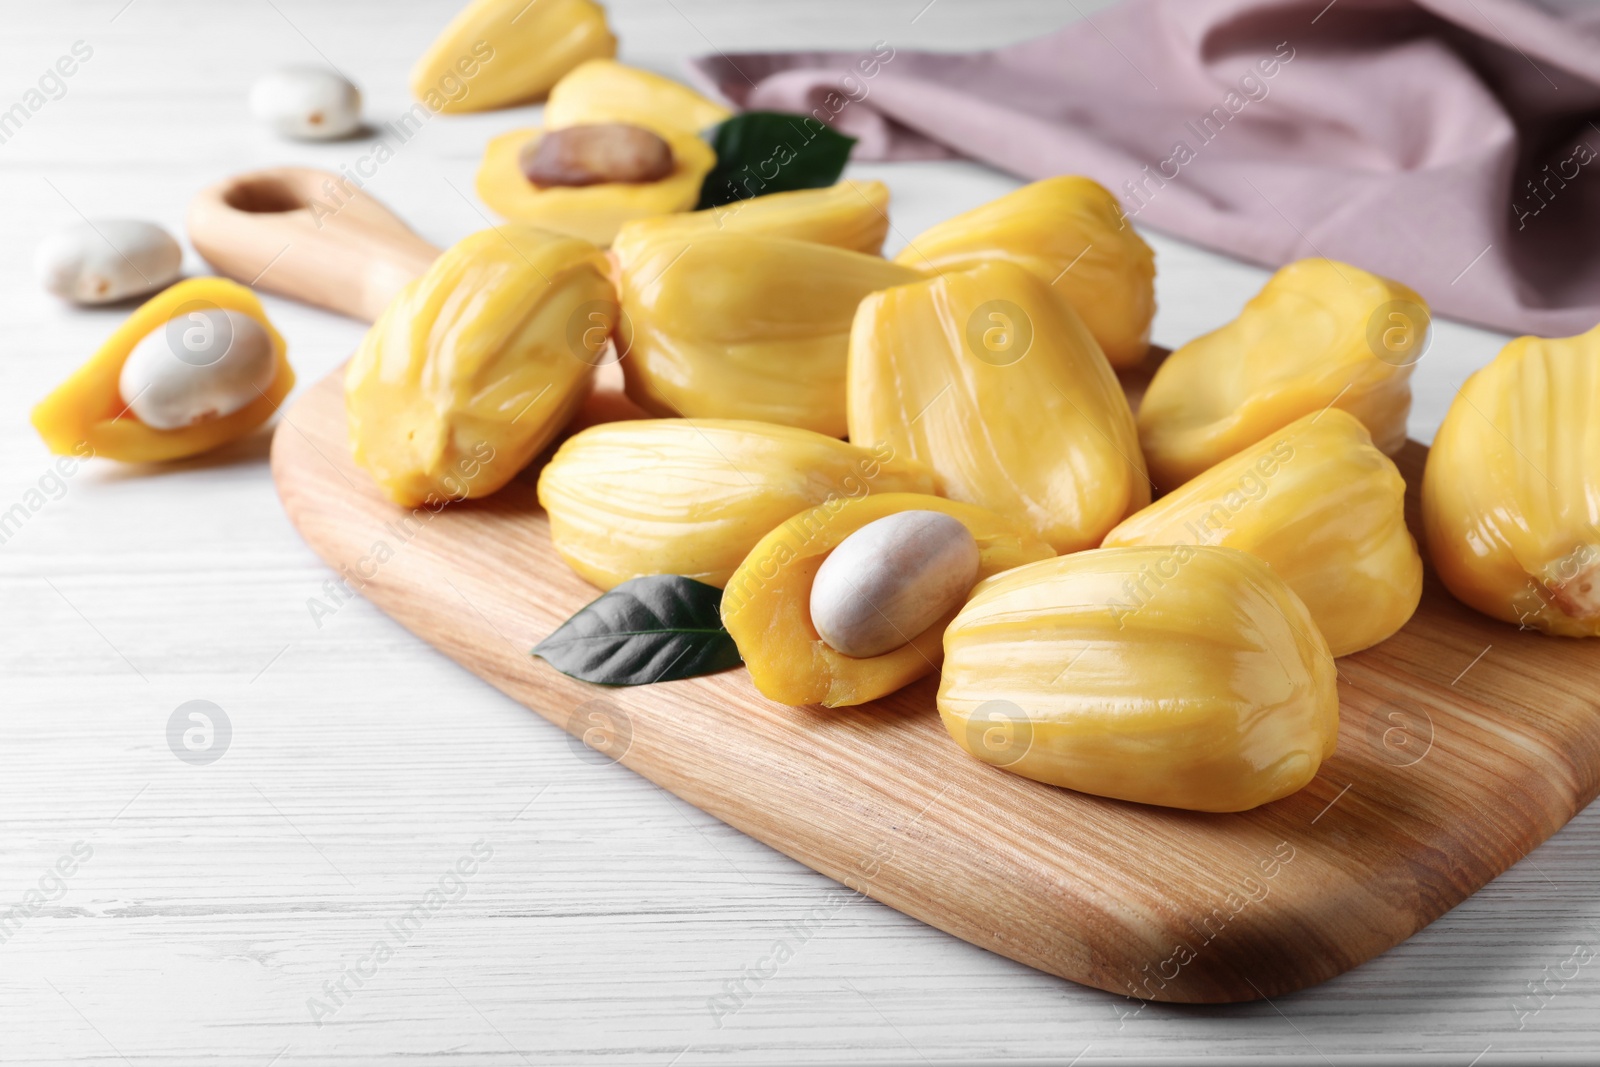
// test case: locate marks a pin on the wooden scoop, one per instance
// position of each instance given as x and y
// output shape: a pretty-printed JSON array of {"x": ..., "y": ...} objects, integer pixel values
[
  {"x": 309, "y": 235},
  {"x": 294, "y": 231}
]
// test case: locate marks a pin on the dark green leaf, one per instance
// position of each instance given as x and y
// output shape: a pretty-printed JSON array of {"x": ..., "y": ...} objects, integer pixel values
[
  {"x": 654, "y": 629},
  {"x": 761, "y": 152}
]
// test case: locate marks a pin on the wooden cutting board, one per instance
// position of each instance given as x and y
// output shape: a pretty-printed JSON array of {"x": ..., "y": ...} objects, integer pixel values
[{"x": 1463, "y": 743}]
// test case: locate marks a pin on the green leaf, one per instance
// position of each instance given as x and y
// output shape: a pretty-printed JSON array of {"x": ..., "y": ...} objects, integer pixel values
[
  {"x": 761, "y": 152},
  {"x": 655, "y": 629}
]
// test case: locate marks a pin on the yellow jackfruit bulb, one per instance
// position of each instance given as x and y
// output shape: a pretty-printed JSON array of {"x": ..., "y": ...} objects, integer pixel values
[
  {"x": 496, "y": 53},
  {"x": 476, "y": 365},
  {"x": 991, "y": 379},
  {"x": 1319, "y": 334},
  {"x": 1319, "y": 504},
  {"x": 744, "y": 326},
  {"x": 1511, "y": 494},
  {"x": 603, "y": 90},
  {"x": 692, "y": 497},
  {"x": 766, "y": 606},
  {"x": 1190, "y": 677},
  {"x": 1070, "y": 232},
  {"x": 851, "y": 215},
  {"x": 197, "y": 331},
  {"x": 591, "y": 212}
]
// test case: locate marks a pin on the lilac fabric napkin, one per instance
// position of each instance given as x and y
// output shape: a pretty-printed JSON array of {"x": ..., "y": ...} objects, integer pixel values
[{"x": 1453, "y": 145}]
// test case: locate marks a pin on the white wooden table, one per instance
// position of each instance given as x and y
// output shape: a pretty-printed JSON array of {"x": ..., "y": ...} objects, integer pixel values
[{"x": 210, "y": 908}]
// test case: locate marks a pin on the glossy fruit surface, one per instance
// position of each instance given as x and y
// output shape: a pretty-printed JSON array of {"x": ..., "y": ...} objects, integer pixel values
[
  {"x": 766, "y": 604},
  {"x": 692, "y": 497},
  {"x": 89, "y": 411},
  {"x": 852, "y": 215},
  {"x": 1181, "y": 676},
  {"x": 476, "y": 365},
  {"x": 988, "y": 377},
  {"x": 1511, "y": 494},
  {"x": 598, "y": 92},
  {"x": 592, "y": 212},
  {"x": 1319, "y": 334},
  {"x": 745, "y": 326},
  {"x": 1070, "y": 232},
  {"x": 1319, "y": 504},
  {"x": 496, "y": 53},
  {"x": 603, "y": 90}
]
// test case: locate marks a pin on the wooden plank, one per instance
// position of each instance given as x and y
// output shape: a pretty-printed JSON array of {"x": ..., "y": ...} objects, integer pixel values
[{"x": 1435, "y": 787}]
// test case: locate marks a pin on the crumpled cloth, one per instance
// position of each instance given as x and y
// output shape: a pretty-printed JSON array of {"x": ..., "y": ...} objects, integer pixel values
[{"x": 1453, "y": 145}]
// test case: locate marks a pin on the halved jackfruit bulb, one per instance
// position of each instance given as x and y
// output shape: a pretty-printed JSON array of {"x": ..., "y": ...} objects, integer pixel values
[
  {"x": 734, "y": 325},
  {"x": 196, "y": 366},
  {"x": 990, "y": 378},
  {"x": 476, "y": 365},
  {"x": 1190, "y": 677},
  {"x": 767, "y": 605},
  {"x": 1319, "y": 504},
  {"x": 596, "y": 209},
  {"x": 1511, "y": 495},
  {"x": 618, "y": 144},
  {"x": 1069, "y": 232},
  {"x": 496, "y": 53},
  {"x": 693, "y": 497},
  {"x": 1319, "y": 334},
  {"x": 853, "y": 215}
]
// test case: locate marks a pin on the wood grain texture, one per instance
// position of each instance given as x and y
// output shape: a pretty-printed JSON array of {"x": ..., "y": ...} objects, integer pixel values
[
  {"x": 1430, "y": 795},
  {"x": 613, "y": 912},
  {"x": 310, "y": 235}
]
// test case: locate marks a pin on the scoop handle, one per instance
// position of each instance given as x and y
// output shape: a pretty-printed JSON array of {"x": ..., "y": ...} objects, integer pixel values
[{"x": 310, "y": 235}]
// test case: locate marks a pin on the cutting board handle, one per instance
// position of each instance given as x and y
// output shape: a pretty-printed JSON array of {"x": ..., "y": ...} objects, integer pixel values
[{"x": 309, "y": 235}]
